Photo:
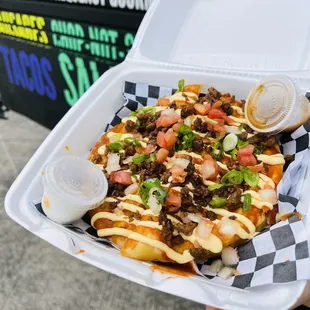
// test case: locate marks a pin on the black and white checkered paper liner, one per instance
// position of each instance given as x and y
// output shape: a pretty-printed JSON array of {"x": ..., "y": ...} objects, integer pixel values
[{"x": 279, "y": 253}]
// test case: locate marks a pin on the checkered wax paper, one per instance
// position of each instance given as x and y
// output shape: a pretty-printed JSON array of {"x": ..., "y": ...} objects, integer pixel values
[{"x": 279, "y": 253}]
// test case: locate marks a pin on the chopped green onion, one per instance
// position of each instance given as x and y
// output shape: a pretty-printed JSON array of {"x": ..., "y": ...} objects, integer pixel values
[
  {"x": 233, "y": 154},
  {"x": 241, "y": 144},
  {"x": 214, "y": 186},
  {"x": 115, "y": 147},
  {"x": 188, "y": 140},
  {"x": 232, "y": 177},
  {"x": 138, "y": 159},
  {"x": 218, "y": 202},
  {"x": 184, "y": 130},
  {"x": 116, "y": 137},
  {"x": 181, "y": 85},
  {"x": 135, "y": 177},
  {"x": 217, "y": 151},
  {"x": 152, "y": 157},
  {"x": 130, "y": 141},
  {"x": 146, "y": 186},
  {"x": 149, "y": 110},
  {"x": 247, "y": 202},
  {"x": 230, "y": 142},
  {"x": 240, "y": 128},
  {"x": 250, "y": 177},
  {"x": 210, "y": 120},
  {"x": 257, "y": 150}
]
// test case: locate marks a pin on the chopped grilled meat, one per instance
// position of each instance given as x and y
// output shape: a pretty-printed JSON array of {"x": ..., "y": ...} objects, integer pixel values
[
  {"x": 186, "y": 229},
  {"x": 202, "y": 195},
  {"x": 176, "y": 240},
  {"x": 225, "y": 191},
  {"x": 247, "y": 128},
  {"x": 165, "y": 176},
  {"x": 213, "y": 95},
  {"x": 172, "y": 209},
  {"x": 232, "y": 217},
  {"x": 148, "y": 169},
  {"x": 187, "y": 200},
  {"x": 187, "y": 111},
  {"x": 226, "y": 107},
  {"x": 209, "y": 215},
  {"x": 134, "y": 215},
  {"x": 243, "y": 136},
  {"x": 232, "y": 165},
  {"x": 167, "y": 230},
  {"x": 171, "y": 153},
  {"x": 130, "y": 150},
  {"x": 198, "y": 145},
  {"x": 200, "y": 126},
  {"x": 234, "y": 200},
  {"x": 195, "y": 179},
  {"x": 146, "y": 122},
  {"x": 263, "y": 140},
  {"x": 200, "y": 254},
  {"x": 111, "y": 187},
  {"x": 173, "y": 105},
  {"x": 130, "y": 126},
  {"x": 119, "y": 190},
  {"x": 190, "y": 169},
  {"x": 97, "y": 159}
]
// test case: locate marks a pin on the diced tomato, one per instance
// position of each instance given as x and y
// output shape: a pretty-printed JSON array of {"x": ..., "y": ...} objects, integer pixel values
[
  {"x": 217, "y": 113},
  {"x": 149, "y": 149},
  {"x": 229, "y": 121},
  {"x": 220, "y": 121},
  {"x": 209, "y": 168},
  {"x": 202, "y": 109},
  {"x": 163, "y": 102},
  {"x": 166, "y": 140},
  {"x": 246, "y": 160},
  {"x": 218, "y": 128},
  {"x": 178, "y": 174},
  {"x": 248, "y": 150},
  {"x": 121, "y": 177},
  {"x": 217, "y": 104},
  {"x": 166, "y": 120},
  {"x": 161, "y": 155},
  {"x": 173, "y": 199}
]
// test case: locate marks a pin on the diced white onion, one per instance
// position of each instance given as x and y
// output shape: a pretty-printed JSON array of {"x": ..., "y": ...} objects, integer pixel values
[
  {"x": 204, "y": 228},
  {"x": 269, "y": 195},
  {"x": 182, "y": 162},
  {"x": 128, "y": 160},
  {"x": 228, "y": 227},
  {"x": 188, "y": 121},
  {"x": 168, "y": 112},
  {"x": 225, "y": 273},
  {"x": 193, "y": 217},
  {"x": 230, "y": 142},
  {"x": 207, "y": 169},
  {"x": 230, "y": 256},
  {"x": 113, "y": 163},
  {"x": 102, "y": 149},
  {"x": 232, "y": 129},
  {"x": 131, "y": 189},
  {"x": 153, "y": 203},
  {"x": 216, "y": 266}
]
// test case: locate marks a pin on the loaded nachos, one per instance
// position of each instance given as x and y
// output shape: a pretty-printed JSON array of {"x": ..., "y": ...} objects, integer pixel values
[{"x": 187, "y": 178}]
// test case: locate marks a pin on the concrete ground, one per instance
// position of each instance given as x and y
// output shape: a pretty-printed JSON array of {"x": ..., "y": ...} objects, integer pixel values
[{"x": 35, "y": 275}]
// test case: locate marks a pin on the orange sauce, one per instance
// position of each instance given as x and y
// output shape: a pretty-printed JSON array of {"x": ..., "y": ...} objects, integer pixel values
[
  {"x": 185, "y": 270},
  {"x": 46, "y": 203},
  {"x": 288, "y": 215}
]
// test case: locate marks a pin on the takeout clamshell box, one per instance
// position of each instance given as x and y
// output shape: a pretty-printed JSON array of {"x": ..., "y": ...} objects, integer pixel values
[{"x": 226, "y": 44}]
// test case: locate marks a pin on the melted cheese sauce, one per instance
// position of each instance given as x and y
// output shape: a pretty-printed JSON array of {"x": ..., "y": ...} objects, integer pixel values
[{"x": 275, "y": 159}]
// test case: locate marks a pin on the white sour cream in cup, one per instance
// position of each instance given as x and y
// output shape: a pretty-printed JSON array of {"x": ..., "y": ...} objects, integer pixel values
[
  {"x": 276, "y": 104},
  {"x": 72, "y": 186}
]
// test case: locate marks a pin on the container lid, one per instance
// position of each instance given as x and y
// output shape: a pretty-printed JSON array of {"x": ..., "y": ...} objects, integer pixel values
[
  {"x": 241, "y": 35},
  {"x": 271, "y": 102},
  {"x": 76, "y": 180}
]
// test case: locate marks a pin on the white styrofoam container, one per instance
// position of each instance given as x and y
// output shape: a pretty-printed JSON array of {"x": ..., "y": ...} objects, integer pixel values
[{"x": 225, "y": 44}]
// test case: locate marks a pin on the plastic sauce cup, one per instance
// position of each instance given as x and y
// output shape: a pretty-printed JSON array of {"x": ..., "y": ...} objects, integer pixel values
[
  {"x": 72, "y": 186},
  {"x": 276, "y": 104}
]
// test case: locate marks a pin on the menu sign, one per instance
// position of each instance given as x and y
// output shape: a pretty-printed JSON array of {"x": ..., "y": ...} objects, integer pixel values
[
  {"x": 138, "y": 5},
  {"x": 54, "y": 58}
]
